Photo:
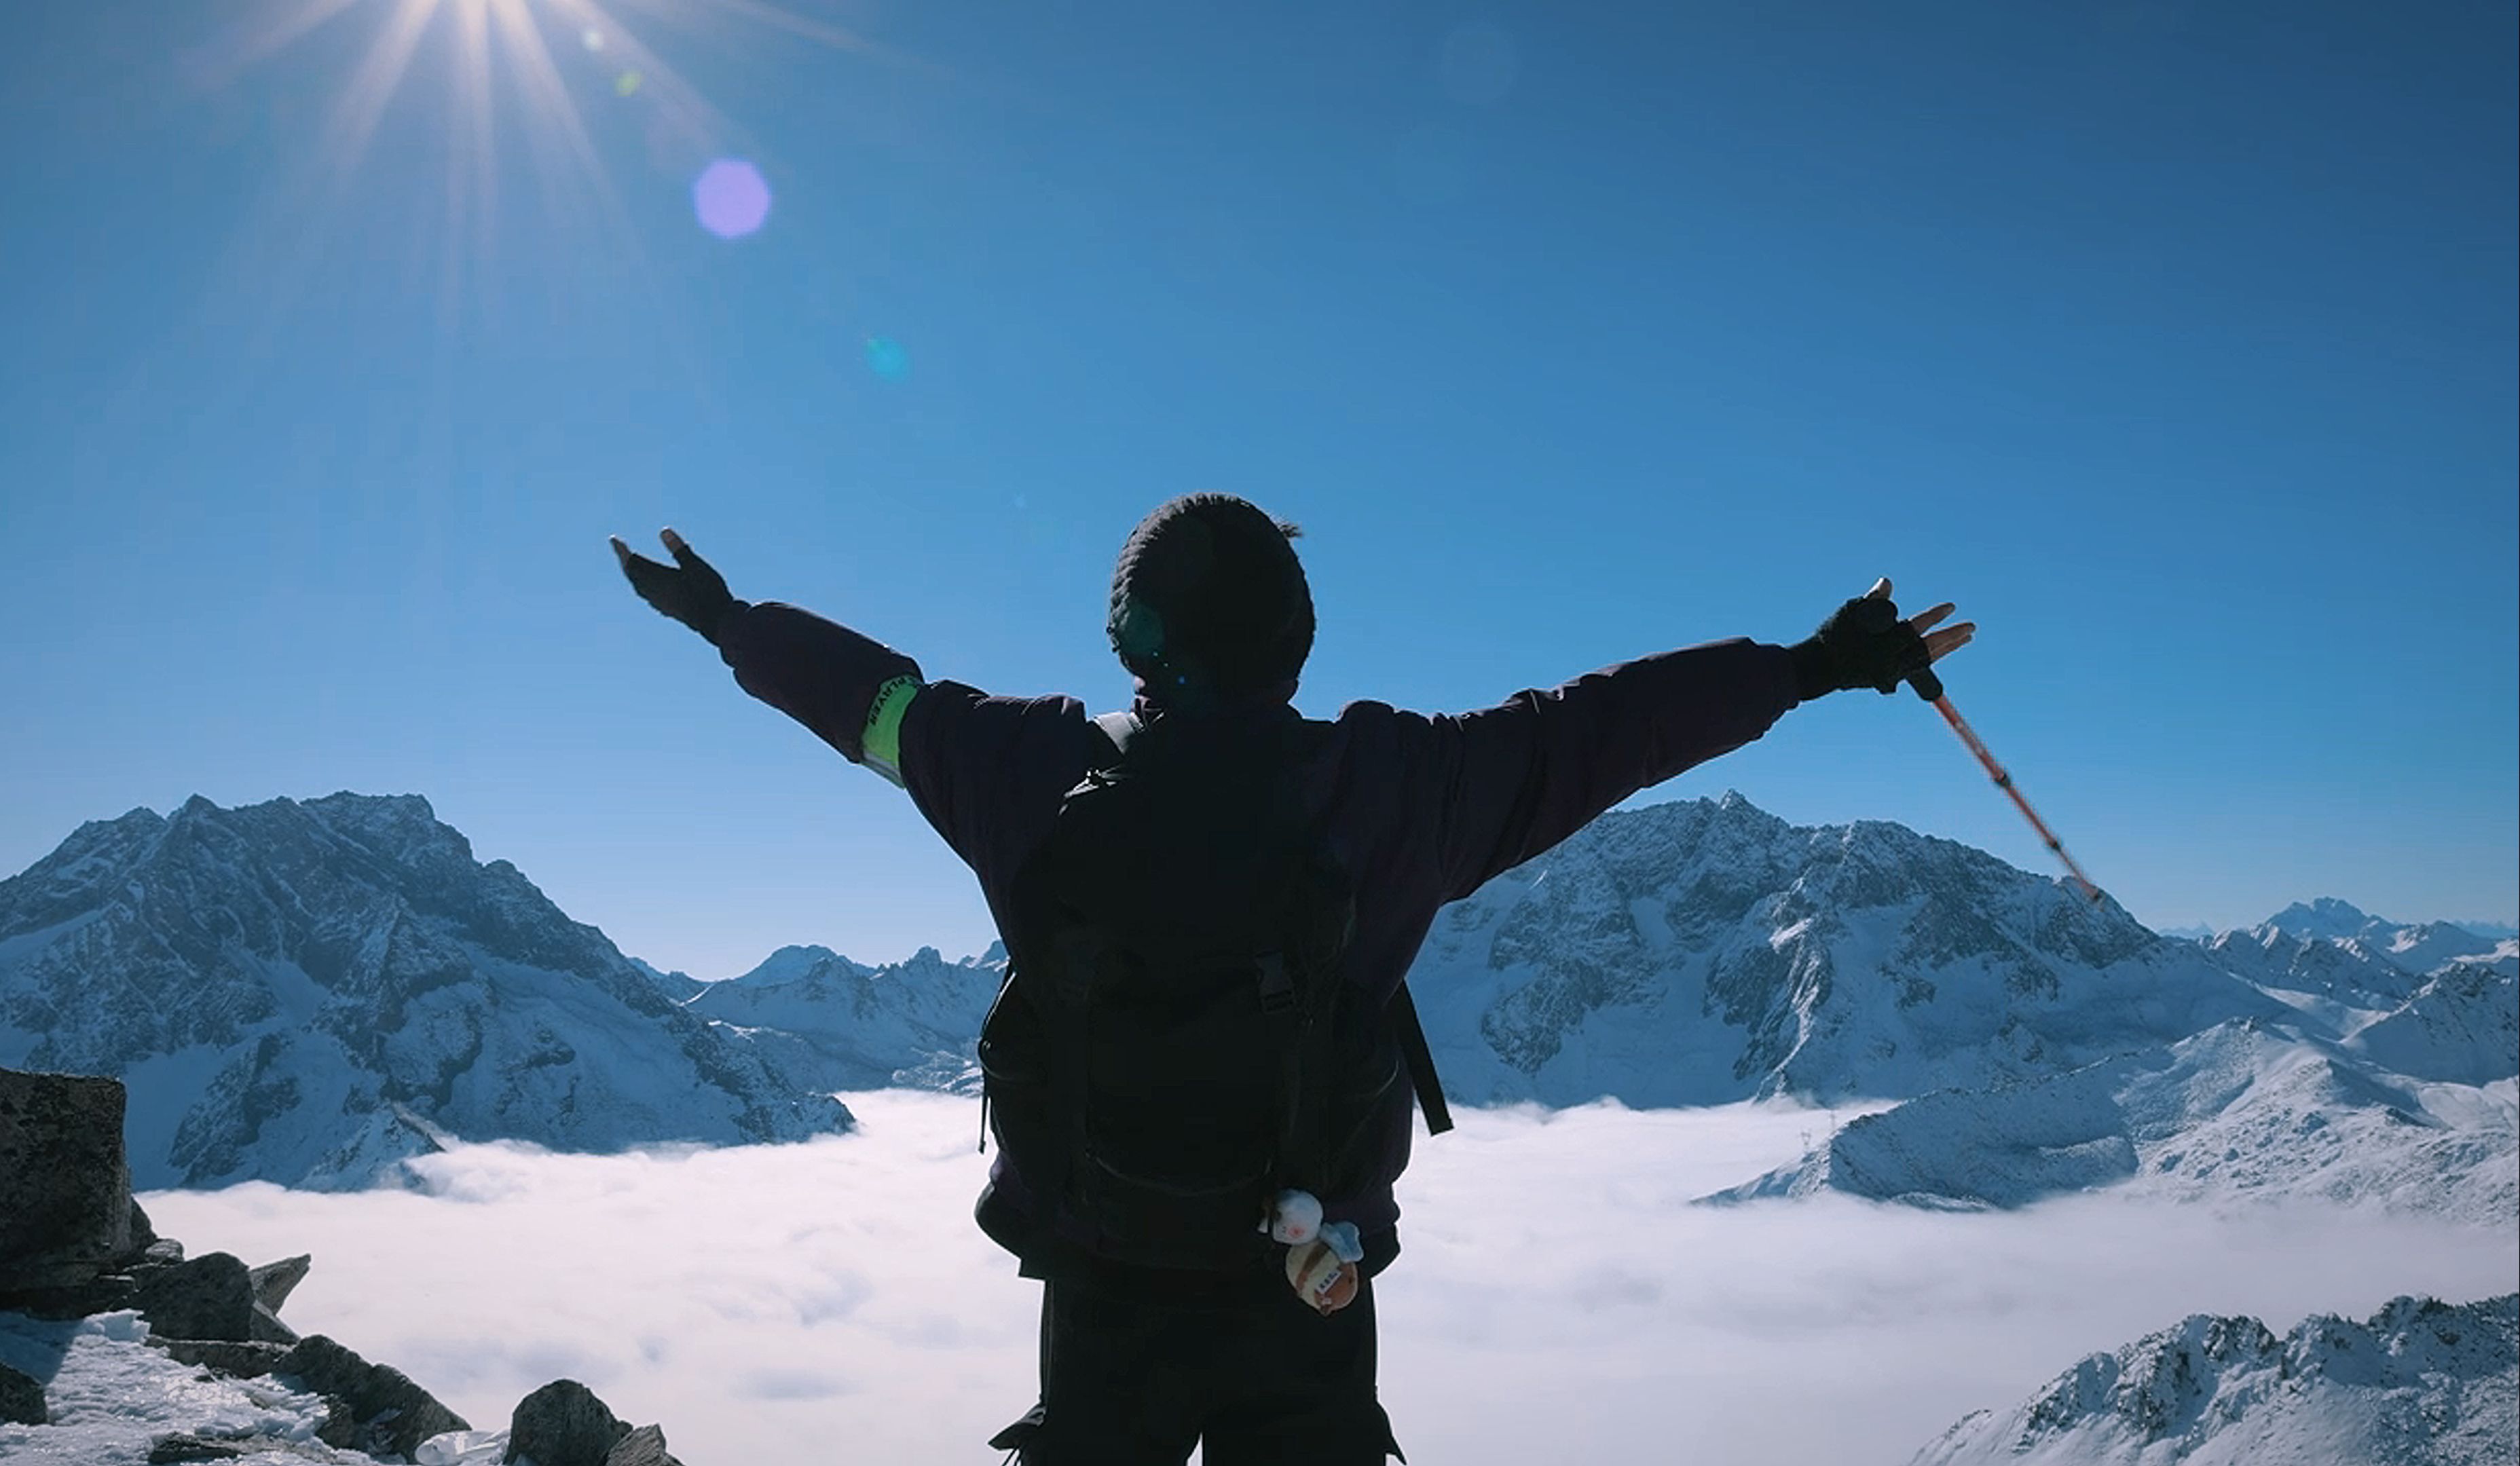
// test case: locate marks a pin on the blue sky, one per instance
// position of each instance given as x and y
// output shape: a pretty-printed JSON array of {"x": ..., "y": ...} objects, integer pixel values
[{"x": 2175, "y": 342}]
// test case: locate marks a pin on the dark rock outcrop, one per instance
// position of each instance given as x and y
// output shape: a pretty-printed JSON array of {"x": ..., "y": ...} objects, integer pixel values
[
  {"x": 273, "y": 1282},
  {"x": 102, "y": 1294},
  {"x": 388, "y": 1412},
  {"x": 74, "y": 1244},
  {"x": 65, "y": 1195},
  {"x": 210, "y": 1296},
  {"x": 21, "y": 1399},
  {"x": 564, "y": 1424},
  {"x": 143, "y": 1236},
  {"x": 643, "y": 1447},
  {"x": 265, "y": 1327}
]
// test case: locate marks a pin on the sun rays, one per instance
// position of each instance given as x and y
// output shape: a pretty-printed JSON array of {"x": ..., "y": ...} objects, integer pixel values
[{"x": 489, "y": 84}]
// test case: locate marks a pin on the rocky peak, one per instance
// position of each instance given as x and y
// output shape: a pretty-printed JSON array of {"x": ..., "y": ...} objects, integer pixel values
[{"x": 350, "y": 962}]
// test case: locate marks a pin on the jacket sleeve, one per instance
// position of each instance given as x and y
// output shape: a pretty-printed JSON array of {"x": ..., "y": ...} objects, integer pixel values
[
  {"x": 1514, "y": 780},
  {"x": 818, "y": 672},
  {"x": 988, "y": 772}
]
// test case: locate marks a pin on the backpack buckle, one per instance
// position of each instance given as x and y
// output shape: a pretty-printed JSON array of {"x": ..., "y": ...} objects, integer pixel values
[{"x": 1277, "y": 989}]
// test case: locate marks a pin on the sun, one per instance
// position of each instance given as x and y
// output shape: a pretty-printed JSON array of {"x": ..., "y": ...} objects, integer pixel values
[{"x": 516, "y": 69}]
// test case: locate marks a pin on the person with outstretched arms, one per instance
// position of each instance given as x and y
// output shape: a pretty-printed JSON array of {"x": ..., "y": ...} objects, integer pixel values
[{"x": 1256, "y": 1333}]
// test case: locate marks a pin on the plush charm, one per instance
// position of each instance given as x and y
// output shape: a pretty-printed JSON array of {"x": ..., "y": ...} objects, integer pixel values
[
  {"x": 1296, "y": 1219},
  {"x": 1320, "y": 1277}
]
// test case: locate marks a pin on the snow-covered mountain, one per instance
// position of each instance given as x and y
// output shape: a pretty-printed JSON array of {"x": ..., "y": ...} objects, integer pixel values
[
  {"x": 2240, "y": 1110},
  {"x": 1681, "y": 954},
  {"x": 842, "y": 1025},
  {"x": 1707, "y": 951},
  {"x": 2422, "y": 948},
  {"x": 2378, "y": 1083},
  {"x": 2420, "y": 1383},
  {"x": 1704, "y": 952},
  {"x": 308, "y": 992}
]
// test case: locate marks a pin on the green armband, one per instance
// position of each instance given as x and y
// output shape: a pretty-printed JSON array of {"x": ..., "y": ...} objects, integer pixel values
[{"x": 882, "y": 744}]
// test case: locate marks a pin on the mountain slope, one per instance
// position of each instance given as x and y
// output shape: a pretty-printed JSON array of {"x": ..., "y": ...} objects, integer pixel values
[
  {"x": 842, "y": 1025},
  {"x": 302, "y": 992},
  {"x": 2421, "y": 1383},
  {"x": 1706, "y": 952},
  {"x": 2240, "y": 1110}
]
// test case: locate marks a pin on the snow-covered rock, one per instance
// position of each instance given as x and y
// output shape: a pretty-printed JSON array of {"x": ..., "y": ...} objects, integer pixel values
[
  {"x": 2421, "y": 1383},
  {"x": 307, "y": 992},
  {"x": 111, "y": 1399}
]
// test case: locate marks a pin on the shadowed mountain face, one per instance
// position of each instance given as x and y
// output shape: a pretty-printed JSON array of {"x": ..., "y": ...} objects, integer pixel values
[{"x": 307, "y": 992}]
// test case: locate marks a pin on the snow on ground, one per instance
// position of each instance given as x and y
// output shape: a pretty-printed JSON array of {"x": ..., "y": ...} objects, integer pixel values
[
  {"x": 111, "y": 1397},
  {"x": 1557, "y": 1297}
]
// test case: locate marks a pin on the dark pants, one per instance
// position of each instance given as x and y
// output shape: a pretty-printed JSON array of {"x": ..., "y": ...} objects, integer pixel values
[{"x": 1133, "y": 1379}]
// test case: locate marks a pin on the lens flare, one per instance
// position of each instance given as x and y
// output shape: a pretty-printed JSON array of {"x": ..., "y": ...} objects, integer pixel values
[
  {"x": 514, "y": 79},
  {"x": 731, "y": 197},
  {"x": 886, "y": 358}
]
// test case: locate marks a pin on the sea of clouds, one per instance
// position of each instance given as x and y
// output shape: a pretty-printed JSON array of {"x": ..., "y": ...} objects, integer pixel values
[{"x": 1557, "y": 1297}]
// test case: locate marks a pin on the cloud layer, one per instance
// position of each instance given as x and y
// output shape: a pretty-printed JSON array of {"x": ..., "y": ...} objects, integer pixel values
[{"x": 1557, "y": 1297}]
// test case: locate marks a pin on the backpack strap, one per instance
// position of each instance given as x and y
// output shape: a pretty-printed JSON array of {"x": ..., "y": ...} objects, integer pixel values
[{"x": 1421, "y": 1061}]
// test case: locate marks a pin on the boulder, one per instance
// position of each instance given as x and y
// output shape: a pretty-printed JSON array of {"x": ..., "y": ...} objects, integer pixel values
[
  {"x": 228, "y": 1356},
  {"x": 21, "y": 1399},
  {"x": 64, "y": 1194},
  {"x": 100, "y": 1294},
  {"x": 564, "y": 1424},
  {"x": 273, "y": 1282},
  {"x": 389, "y": 1413},
  {"x": 643, "y": 1447},
  {"x": 143, "y": 1236},
  {"x": 210, "y": 1296},
  {"x": 265, "y": 1327}
]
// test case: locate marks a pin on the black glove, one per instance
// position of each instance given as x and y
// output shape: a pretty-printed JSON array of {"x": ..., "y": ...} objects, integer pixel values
[
  {"x": 691, "y": 590},
  {"x": 1864, "y": 645}
]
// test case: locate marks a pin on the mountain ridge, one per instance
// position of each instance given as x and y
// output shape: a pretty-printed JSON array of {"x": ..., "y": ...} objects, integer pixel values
[
  {"x": 284, "y": 982},
  {"x": 2419, "y": 1383},
  {"x": 235, "y": 965}
]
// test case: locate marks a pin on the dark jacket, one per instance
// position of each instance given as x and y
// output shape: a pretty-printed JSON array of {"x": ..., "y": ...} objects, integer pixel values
[{"x": 1420, "y": 810}]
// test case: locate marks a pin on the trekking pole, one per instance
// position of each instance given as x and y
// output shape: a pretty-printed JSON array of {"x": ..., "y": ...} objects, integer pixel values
[{"x": 1931, "y": 687}]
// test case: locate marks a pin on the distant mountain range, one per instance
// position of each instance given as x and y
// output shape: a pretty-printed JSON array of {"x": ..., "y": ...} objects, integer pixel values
[{"x": 307, "y": 992}]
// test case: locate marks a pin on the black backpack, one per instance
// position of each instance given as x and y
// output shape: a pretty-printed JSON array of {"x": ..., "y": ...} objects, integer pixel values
[{"x": 1173, "y": 1043}]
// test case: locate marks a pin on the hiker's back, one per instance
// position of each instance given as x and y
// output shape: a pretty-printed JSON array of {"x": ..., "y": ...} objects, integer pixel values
[{"x": 1175, "y": 1043}]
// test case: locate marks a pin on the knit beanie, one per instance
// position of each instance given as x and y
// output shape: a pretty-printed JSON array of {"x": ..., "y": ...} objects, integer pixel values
[{"x": 1208, "y": 597}]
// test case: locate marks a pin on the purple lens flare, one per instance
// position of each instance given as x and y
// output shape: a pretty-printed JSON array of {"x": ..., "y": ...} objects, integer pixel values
[{"x": 731, "y": 197}]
